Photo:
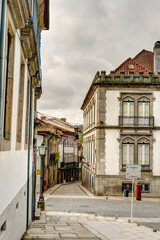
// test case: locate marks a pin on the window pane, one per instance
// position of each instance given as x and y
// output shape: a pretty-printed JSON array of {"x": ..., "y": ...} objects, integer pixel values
[
  {"x": 146, "y": 109},
  {"x": 125, "y": 109},
  {"x": 140, "y": 109},
  {"x": 146, "y": 188},
  {"x": 146, "y": 154},
  {"x": 139, "y": 154},
  {"x": 128, "y": 153},
  {"x": 124, "y": 153},
  {"x": 143, "y": 154},
  {"x": 131, "y": 153},
  {"x": 131, "y": 109}
]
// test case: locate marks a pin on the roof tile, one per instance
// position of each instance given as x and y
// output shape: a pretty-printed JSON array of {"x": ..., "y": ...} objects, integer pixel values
[{"x": 142, "y": 62}]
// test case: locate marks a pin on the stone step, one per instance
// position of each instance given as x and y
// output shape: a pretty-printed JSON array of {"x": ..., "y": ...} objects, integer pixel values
[{"x": 37, "y": 214}]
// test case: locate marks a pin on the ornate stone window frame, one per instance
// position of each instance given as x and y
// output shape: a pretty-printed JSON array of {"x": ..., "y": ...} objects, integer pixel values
[
  {"x": 143, "y": 141},
  {"x": 128, "y": 141},
  {"x": 136, "y": 96},
  {"x": 136, "y": 137}
]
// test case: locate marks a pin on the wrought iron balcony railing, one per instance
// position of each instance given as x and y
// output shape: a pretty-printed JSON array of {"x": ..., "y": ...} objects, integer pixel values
[{"x": 136, "y": 121}]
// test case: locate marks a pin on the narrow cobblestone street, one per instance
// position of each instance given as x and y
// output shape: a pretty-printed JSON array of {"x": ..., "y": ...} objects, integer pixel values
[{"x": 74, "y": 213}]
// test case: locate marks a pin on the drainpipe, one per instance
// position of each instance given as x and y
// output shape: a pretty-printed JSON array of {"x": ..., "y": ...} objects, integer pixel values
[
  {"x": 2, "y": 41},
  {"x": 29, "y": 142},
  {"x": 29, "y": 147}
]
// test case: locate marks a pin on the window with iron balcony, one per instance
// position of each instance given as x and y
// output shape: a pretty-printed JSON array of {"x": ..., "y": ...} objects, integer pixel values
[{"x": 136, "y": 112}]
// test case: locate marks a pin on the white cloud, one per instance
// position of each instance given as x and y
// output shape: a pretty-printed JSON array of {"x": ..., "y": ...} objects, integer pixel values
[{"x": 86, "y": 36}]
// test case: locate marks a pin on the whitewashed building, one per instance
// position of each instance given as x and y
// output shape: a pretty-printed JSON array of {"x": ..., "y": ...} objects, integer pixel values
[
  {"x": 122, "y": 126},
  {"x": 20, "y": 86}
]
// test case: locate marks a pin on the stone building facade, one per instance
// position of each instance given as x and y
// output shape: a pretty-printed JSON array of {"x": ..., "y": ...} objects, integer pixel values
[
  {"x": 69, "y": 149},
  {"x": 122, "y": 126},
  {"x": 20, "y": 88},
  {"x": 47, "y": 133}
]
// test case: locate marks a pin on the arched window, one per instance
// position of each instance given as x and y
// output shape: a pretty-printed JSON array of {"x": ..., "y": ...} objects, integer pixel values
[
  {"x": 144, "y": 152},
  {"x": 128, "y": 151},
  {"x": 143, "y": 107},
  {"x": 128, "y": 107},
  {"x": 128, "y": 111}
]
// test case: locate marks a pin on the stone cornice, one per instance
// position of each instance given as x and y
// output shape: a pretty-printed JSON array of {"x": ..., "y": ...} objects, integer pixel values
[
  {"x": 43, "y": 14},
  {"x": 28, "y": 41},
  {"x": 117, "y": 81},
  {"x": 20, "y": 12},
  {"x": 87, "y": 131}
]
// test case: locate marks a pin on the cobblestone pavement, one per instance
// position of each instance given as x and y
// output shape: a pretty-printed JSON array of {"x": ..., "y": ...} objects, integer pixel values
[
  {"x": 71, "y": 189},
  {"x": 71, "y": 198},
  {"x": 74, "y": 213}
]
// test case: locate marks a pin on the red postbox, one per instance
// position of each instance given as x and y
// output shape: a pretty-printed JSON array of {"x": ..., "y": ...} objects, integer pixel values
[{"x": 138, "y": 191}]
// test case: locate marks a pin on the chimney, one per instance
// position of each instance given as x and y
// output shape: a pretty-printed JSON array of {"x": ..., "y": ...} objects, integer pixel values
[
  {"x": 156, "y": 51},
  {"x": 63, "y": 119},
  {"x": 43, "y": 118}
]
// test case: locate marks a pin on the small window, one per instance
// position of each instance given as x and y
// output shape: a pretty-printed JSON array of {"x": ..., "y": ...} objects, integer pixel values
[
  {"x": 127, "y": 186},
  {"x": 145, "y": 187},
  {"x": 17, "y": 205},
  {"x": 131, "y": 66}
]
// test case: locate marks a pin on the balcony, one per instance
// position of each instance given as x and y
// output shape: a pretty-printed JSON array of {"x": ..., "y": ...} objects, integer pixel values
[
  {"x": 68, "y": 165},
  {"x": 136, "y": 121}
]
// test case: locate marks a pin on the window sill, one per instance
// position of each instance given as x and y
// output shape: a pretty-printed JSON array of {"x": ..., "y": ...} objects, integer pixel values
[
  {"x": 5, "y": 145},
  {"x": 142, "y": 170}
]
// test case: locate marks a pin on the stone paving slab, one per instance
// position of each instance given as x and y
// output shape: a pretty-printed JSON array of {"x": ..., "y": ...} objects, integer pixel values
[
  {"x": 91, "y": 227},
  {"x": 77, "y": 221},
  {"x": 121, "y": 230}
]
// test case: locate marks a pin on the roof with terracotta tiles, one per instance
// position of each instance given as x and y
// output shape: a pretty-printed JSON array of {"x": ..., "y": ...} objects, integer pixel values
[
  {"x": 52, "y": 129},
  {"x": 47, "y": 128},
  {"x": 142, "y": 62}
]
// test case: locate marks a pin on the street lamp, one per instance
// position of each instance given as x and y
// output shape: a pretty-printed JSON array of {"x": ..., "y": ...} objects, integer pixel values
[{"x": 42, "y": 153}]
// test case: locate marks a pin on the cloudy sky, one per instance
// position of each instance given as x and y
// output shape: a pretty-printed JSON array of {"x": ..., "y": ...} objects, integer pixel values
[{"x": 86, "y": 36}]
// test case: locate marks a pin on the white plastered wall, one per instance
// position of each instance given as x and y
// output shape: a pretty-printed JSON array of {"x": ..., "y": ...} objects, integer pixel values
[
  {"x": 156, "y": 108},
  {"x": 156, "y": 153},
  {"x": 156, "y": 135},
  {"x": 112, "y": 108},
  {"x": 14, "y": 163},
  {"x": 112, "y": 152}
]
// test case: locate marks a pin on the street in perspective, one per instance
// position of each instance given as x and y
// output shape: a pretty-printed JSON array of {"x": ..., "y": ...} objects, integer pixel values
[
  {"x": 79, "y": 119},
  {"x": 72, "y": 212}
]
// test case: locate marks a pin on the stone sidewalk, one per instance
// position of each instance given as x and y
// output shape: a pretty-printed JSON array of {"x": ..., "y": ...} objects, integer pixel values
[
  {"x": 56, "y": 226},
  {"x": 66, "y": 225}
]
